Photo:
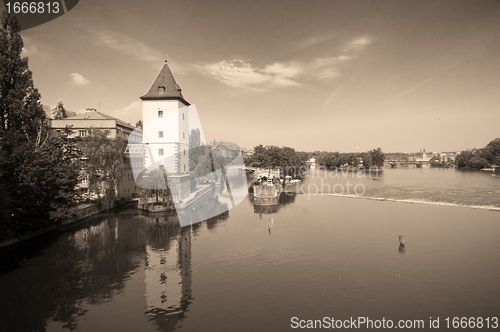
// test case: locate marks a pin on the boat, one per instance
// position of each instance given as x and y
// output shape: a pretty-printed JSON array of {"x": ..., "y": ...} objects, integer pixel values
[{"x": 288, "y": 179}]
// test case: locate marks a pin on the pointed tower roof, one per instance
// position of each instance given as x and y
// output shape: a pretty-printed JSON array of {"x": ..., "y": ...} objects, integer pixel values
[{"x": 165, "y": 87}]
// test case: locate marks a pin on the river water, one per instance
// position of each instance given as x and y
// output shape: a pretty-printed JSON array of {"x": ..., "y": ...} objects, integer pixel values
[{"x": 255, "y": 268}]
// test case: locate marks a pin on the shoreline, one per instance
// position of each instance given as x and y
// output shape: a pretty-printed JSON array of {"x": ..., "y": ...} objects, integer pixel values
[
  {"x": 70, "y": 222},
  {"x": 408, "y": 201}
]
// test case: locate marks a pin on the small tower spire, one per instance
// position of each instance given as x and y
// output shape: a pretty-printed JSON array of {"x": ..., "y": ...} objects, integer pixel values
[{"x": 166, "y": 58}]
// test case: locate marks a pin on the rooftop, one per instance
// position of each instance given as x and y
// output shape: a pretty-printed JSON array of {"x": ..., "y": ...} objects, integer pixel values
[
  {"x": 95, "y": 115},
  {"x": 165, "y": 87}
]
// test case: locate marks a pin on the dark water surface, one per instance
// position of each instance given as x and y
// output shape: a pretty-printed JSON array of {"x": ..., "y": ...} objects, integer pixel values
[{"x": 254, "y": 268}]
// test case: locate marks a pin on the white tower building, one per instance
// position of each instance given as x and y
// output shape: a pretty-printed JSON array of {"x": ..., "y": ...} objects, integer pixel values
[{"x": 165, "y": 122}]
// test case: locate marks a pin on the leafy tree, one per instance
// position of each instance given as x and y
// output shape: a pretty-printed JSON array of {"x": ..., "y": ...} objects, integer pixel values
[
  {"x": 104, "y": 164},
  {"x": 39, "y": 179},
  {"x": 20, "y": 109},
  {"x": 493, "y": 149},
  {"x": 285, "y": 158},
  {"x": 38, "y": 172},
  {"x": 194, "y": 138},
  {"x": 378, "y": 157},
  {"x": 478, "y": 162},
  {"x": 59, "y": 112},
  {"x": 196, "y": 150},
  {"x": 367, "y": 159},
  {"x": 204, "y": 165},
  {"x": 463, "y": 158}
]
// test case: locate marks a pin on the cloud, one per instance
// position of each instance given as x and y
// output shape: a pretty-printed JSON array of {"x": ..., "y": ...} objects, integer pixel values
[
  {"x": 28, "y": 49},
  {"x": 313, "y": 41},
  {"x": 79, "y": 79},
  {"x": 326, "y": 68},
  {"x": 358, "y": 44},
  {"x": 130, "y": 113},
  {"x": 128, "y": 46},
  {"x": 241, "y": 73}
]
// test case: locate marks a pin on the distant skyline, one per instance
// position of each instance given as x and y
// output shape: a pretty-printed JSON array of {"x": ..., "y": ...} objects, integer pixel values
[{"x": 316, "y": 75}]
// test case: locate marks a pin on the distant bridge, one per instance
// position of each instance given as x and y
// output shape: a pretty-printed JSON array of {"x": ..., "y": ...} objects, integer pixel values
[{"x": 395, "y": 163}]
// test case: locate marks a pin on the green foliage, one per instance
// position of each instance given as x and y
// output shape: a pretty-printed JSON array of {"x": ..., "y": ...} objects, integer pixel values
[
  {"x": 104, "y": 164},
  {"x": 480, "y": 158},
  {"x": 196, "y": 150},
  {"x": 204, "y": 165},
  {"x": 373, "y": 157},
  {"x": 284, "y": 158},
  {"x": 157, "y": 190},
  {"x": 59, "y": 112},
  {"x": 38, "y": 178},
  {"x": 194, "y": 138},
  {"x": 377, "y": 157},
  {"x": 367, "y": 159},
  {"x": 38, "y": 173},
  {"x": 20, "y": 109}
]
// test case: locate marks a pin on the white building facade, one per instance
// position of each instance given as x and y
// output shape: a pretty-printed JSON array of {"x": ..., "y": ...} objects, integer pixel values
[{"x": 165, "y": 119}]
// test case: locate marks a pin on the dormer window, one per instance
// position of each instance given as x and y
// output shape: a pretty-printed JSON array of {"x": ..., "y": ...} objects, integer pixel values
[
  {"x": 160, "y": 113},
  {"x": 161, "y": 90}
]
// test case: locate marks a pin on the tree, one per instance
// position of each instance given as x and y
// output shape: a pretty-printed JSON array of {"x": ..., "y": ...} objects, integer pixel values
[
  {"x": 196, "y": 150},
  {"x": 155, "y": 186},
  {"x": 367, "y": 159},
  {"x": 478, "y": 162},
  {"x": 194, "y": 138},
  {"x": 59, "y": 112},
  {"x": 463, "y": 158},
  {"x": 20, "y": 109},
  {"x": 493, "y": 148},
  {"x": 378, "y": 157},
  {"x": 104, "y": 164},
  {"x": 39, "y": 178},
  {"x": 285, "y": 158},
  {"x": 38, "y": 172}
]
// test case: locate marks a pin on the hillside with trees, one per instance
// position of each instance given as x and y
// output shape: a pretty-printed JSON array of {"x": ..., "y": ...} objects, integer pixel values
[{"x": 480, "y": 158}]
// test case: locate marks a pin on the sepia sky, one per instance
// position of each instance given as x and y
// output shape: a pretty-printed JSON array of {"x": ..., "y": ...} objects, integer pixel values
[{"x": 312, "y": 75}]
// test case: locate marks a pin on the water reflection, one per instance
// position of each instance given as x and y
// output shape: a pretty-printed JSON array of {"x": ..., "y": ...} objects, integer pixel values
[
  {"x": 84, "y": 269},
  {"x": 283, "y": 200},
  {"x": 167, "y": 277},
  {"x": 87, "y": 267},
  {"x": 168, "y": 273}
]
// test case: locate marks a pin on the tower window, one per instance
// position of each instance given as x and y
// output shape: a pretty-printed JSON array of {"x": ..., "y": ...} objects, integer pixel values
[
  {"x": 184, "y": 151},
  {"x": 182, "y": 116},
  {"x": 184, "y": 168},
  {"x": 183, "y": 135},
  {"x": 160, "y": 113},
  {"x": 161, "y": 90},
  {"x": 160, "y": 152},
  {"x": 160, "y": 134}
]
